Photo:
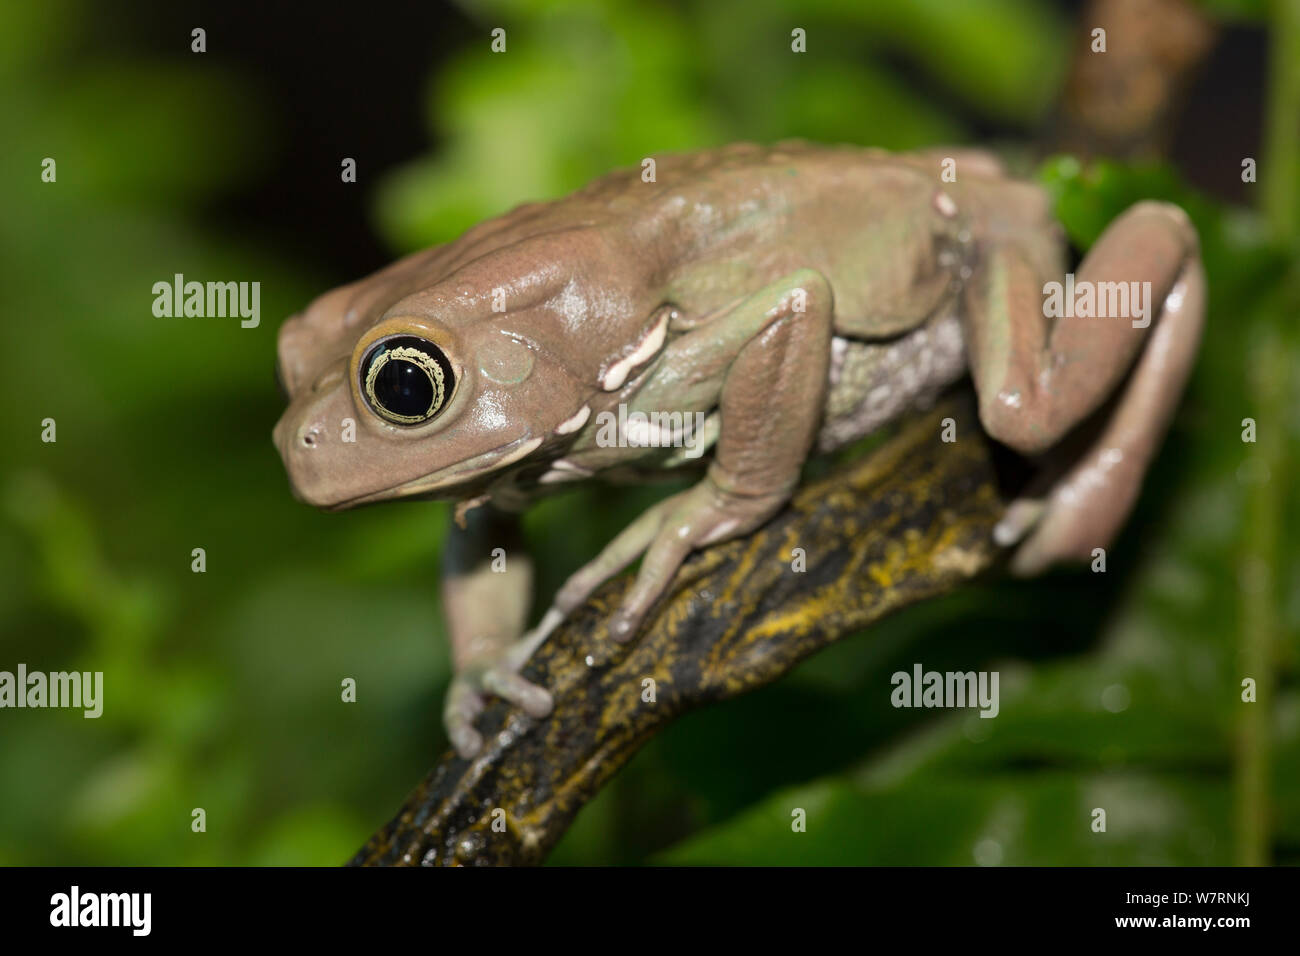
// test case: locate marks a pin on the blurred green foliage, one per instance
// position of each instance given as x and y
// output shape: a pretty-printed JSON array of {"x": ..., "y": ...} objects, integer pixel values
[
  {"x": 222, "y": 689},
  {"x": 588, "y": 86}
]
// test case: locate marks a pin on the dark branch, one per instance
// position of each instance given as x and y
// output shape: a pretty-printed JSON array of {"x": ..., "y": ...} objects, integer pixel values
[
  {"x": 910, "y": 520},
  {"x": 1126, "y": 104}
]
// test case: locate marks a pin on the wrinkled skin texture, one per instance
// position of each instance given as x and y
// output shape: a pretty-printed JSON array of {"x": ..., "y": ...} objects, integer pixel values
[{"x": 796, "y": 297}]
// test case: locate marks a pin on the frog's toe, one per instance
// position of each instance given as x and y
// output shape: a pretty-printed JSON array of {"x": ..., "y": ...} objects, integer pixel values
[
  {"x": 1019, "y": 519},
  {"x": 468, "y": 693},
  {"x": 464, "y": 704},
  {"x": 626, "y": 547},
  {"x": 465, "y": 740},
  {"x": 630, "y": 543},
  {"x": 533, "y": 700},
  {"x": 661, "y": 562},
  {"x": 704, "y": 515}
]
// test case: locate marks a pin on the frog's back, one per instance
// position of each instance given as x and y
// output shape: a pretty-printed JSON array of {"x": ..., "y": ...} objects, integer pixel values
[
  {"x": 712, "y": 226},
  {"x": 743, "y": 196},
  {"x": 884, "y": 229},
  {"x": 722, "y": 223}
]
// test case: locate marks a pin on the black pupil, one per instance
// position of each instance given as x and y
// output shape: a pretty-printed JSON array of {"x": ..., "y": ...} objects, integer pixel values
[{"x": 402, "y": 386}]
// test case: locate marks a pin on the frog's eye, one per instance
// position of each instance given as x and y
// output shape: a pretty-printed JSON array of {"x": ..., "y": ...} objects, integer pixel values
[{"x": 406, "y": 380}]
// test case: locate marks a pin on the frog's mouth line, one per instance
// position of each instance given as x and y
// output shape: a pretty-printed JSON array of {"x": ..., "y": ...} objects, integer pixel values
[{"x": 467, "y": 470}]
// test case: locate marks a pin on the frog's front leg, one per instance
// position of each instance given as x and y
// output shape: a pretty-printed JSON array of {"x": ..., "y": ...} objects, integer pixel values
[
  {"x": 1036, "y": 382},
  {"x": 487, "y": 580},
  {"x": 771, "y": 399}
]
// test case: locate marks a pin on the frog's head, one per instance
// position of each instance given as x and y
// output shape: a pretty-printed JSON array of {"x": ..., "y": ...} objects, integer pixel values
[{"x": 436, "y": 397}]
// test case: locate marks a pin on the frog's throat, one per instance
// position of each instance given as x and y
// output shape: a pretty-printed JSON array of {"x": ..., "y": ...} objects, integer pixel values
[{"x": 494, "y": 460}]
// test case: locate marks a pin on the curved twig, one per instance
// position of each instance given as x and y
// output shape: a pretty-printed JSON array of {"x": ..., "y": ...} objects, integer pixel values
[{"x": 908, "y": 521}]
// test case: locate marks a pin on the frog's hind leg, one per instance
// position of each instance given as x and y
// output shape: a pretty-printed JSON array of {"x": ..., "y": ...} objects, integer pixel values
[{"x": 1036, "y": 384}]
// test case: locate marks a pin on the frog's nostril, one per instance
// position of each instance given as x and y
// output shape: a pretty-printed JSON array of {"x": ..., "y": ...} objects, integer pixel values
[{"x": 309, "y": 436}]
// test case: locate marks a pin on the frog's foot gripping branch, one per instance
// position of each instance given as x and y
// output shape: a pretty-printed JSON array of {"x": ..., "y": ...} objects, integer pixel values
[
  {"x": 1038, "y": 380},
  {"x": 912, "y": 520},
  {"x": 771, "y": 402}
]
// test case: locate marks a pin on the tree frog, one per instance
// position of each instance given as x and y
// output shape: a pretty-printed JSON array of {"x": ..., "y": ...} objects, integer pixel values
[{"x": 739, "y": 310}]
